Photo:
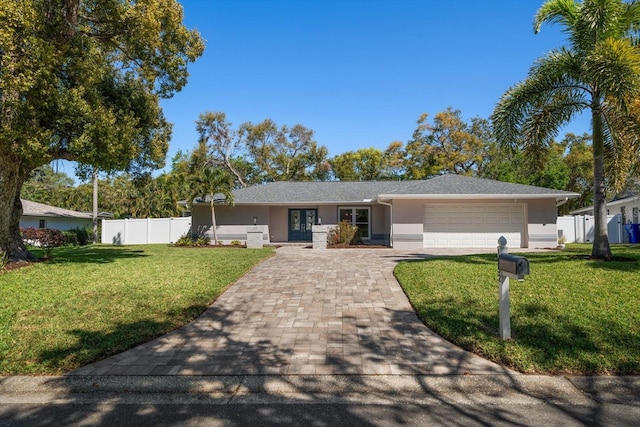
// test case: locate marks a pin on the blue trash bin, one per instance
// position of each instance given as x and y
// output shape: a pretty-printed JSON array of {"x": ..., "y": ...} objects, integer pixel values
[{"x": 633, "y": 230}]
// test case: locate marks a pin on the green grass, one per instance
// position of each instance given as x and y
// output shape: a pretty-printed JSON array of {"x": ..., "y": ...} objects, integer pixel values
[
  {"x": 95, "y": 301},
  {"x": 570, "y": 316}
]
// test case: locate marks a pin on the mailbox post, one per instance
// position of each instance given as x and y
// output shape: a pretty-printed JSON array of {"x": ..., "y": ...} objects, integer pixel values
[{"x": 509, "y": 266}]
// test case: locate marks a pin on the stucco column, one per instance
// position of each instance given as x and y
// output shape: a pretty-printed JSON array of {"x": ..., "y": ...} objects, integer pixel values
[
  {"x": 320, "y": 236},
  {"x": 254, "y": 236}
]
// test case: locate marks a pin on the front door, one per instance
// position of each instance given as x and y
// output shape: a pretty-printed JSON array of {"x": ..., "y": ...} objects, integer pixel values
[{"x": 300, "y": 223}]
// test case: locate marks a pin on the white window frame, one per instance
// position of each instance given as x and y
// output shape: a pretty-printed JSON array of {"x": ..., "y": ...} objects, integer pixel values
[{"x": 353, "y": 217}]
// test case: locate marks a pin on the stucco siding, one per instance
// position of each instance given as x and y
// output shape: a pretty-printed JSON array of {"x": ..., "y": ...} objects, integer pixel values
[
  {"x": 232, "y": 222},
  {"x": 542, "y": 230},
  {"x": 279, "y": 223},
  {"x": 407, "y": 224},
  {"x": 379, "y": 223}
]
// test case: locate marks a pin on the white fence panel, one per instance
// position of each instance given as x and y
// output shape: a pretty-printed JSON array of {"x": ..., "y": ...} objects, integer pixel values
[
  {"x": 136, "y": 232},
  {"x": 113, "y": 231},
  {"x": 567, "y": 228},
  {"x": 144, "y": 231},
  {"x": 159, "y": 230},
  {"x": 579, "y": 228}
]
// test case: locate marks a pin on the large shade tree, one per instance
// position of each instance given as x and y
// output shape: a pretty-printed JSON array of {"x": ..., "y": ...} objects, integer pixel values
[
  {"x": 598, "y": 72},
  {"x": 260, "y": 152},
  {"x": 81, "y": 80}
]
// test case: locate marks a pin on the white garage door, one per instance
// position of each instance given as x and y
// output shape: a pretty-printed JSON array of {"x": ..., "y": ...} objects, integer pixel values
[{"x": 473, "y": 226}]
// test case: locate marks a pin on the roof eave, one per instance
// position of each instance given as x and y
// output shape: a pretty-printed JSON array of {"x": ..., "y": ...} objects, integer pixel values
[
  {"x": 54, "y": 215},
  {"x": 297, "y": 203},
  {"x": 476, "y": 196},
  {"x": 609, "y": 204}
]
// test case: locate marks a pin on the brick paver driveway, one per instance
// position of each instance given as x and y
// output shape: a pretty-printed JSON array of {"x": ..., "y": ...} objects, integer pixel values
[{"x": 339, "y": 311}]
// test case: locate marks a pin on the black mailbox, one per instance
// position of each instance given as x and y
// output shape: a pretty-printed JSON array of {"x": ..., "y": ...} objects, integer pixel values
[{"x": 513, "y": 266}]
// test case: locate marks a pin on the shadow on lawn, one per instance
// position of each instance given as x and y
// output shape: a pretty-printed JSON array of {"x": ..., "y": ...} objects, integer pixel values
[
  {"x": 549, "y": 339},
  {"x": 95, "y": 345},
  {"x": 95, "y": 254},
  {"x": 627, "y": 261}
]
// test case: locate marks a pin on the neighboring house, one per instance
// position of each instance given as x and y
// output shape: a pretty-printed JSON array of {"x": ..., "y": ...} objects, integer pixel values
[
  {"x": 627, "y": 207},
  {"x": 39, "y": 215},
  {"x": 445, "y": 211}
]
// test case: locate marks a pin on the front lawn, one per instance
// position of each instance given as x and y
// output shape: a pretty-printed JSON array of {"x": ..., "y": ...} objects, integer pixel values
[
  {"x": 570, "y": 316},
  {"x": 95, "y": 301}
]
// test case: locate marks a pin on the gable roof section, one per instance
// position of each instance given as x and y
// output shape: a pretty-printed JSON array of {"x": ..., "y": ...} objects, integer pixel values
[
  {"x": 30, "y": 208},
  {"x": 445, "y": 186}
]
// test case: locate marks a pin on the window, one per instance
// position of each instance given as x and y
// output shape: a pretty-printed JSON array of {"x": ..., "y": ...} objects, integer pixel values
[
  {"x": 634, "y": 211},
  {"x": 358, "y": 217},
  {"x": 42, "y": 223}
]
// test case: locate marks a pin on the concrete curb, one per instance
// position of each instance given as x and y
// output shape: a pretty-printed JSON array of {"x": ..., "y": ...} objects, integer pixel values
[{"x": 379, "y": 389}]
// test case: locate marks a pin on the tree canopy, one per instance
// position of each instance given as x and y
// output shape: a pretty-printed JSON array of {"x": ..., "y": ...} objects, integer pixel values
[
  {"x": 81, "y": 80},
  {"x": 261, "y": 152}
]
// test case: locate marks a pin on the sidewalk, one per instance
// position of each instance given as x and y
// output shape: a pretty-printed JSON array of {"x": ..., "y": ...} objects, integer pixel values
[
  {"x": 301, "y": 400},
  {"x": 319, "y": 389}
]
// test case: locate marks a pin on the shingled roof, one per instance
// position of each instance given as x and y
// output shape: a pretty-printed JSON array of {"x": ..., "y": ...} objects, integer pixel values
[
  {"x": 30, "y": 208},
  {"x": 327, "y": 192},
  {"x": 460, "y": 186}
]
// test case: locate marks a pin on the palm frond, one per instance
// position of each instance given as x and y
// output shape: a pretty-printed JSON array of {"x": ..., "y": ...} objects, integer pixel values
[
  {"x": 545, "y": 120},
  {"x": 630, "y": 19},
  {"x": 549, "y": 96},
  {"x": 563, "y": 12},
  {"x": 614, "y": 68},
  {"x": 622, "y": 142}
]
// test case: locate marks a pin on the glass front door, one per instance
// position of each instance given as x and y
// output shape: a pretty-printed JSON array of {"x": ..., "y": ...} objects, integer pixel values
[{"x": 300, "y": 223}]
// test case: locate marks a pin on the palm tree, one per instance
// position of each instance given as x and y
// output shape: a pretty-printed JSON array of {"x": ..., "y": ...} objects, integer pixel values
[
  {"x": 598, "y": 72},
  {"x": 206, "y": 185}
]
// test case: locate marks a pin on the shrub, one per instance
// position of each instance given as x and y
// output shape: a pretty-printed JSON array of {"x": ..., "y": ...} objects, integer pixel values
[
  {"x": 236, "y": 243},
  {"x": 202, "y": 241},
  {"x": 344, "y": 233},
  {"x": 77, "y": 236},
  {"x": 188, "y": 240},
  {"x": 185, "y": 240},
  {"x": 4, "y": 259},
  {"x": 45, "y": 238}
]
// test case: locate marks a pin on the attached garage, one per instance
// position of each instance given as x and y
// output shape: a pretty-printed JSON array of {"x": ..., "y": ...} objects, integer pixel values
[{"x": 459, "y": 225}]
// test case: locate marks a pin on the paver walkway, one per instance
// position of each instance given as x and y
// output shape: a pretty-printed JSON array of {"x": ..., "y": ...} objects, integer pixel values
[{"x": 303, "y": 311}]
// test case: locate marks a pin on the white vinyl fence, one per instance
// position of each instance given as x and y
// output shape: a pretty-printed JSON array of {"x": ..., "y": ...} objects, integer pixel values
[
  {"x": 144, "y": 231},
  {"x": 579, "y": 228}
]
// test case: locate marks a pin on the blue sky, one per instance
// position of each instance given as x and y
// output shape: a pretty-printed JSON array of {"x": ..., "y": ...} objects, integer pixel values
[{"x": 359, "y": 73}]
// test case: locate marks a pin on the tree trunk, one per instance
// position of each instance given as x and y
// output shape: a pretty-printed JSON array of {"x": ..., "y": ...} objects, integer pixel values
[
  {"x": 95, "y": 205},
  {"x": 11, "y": 179},
  {"x": 213, "y": 223},
  {"x": 601, "y": 248}
]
